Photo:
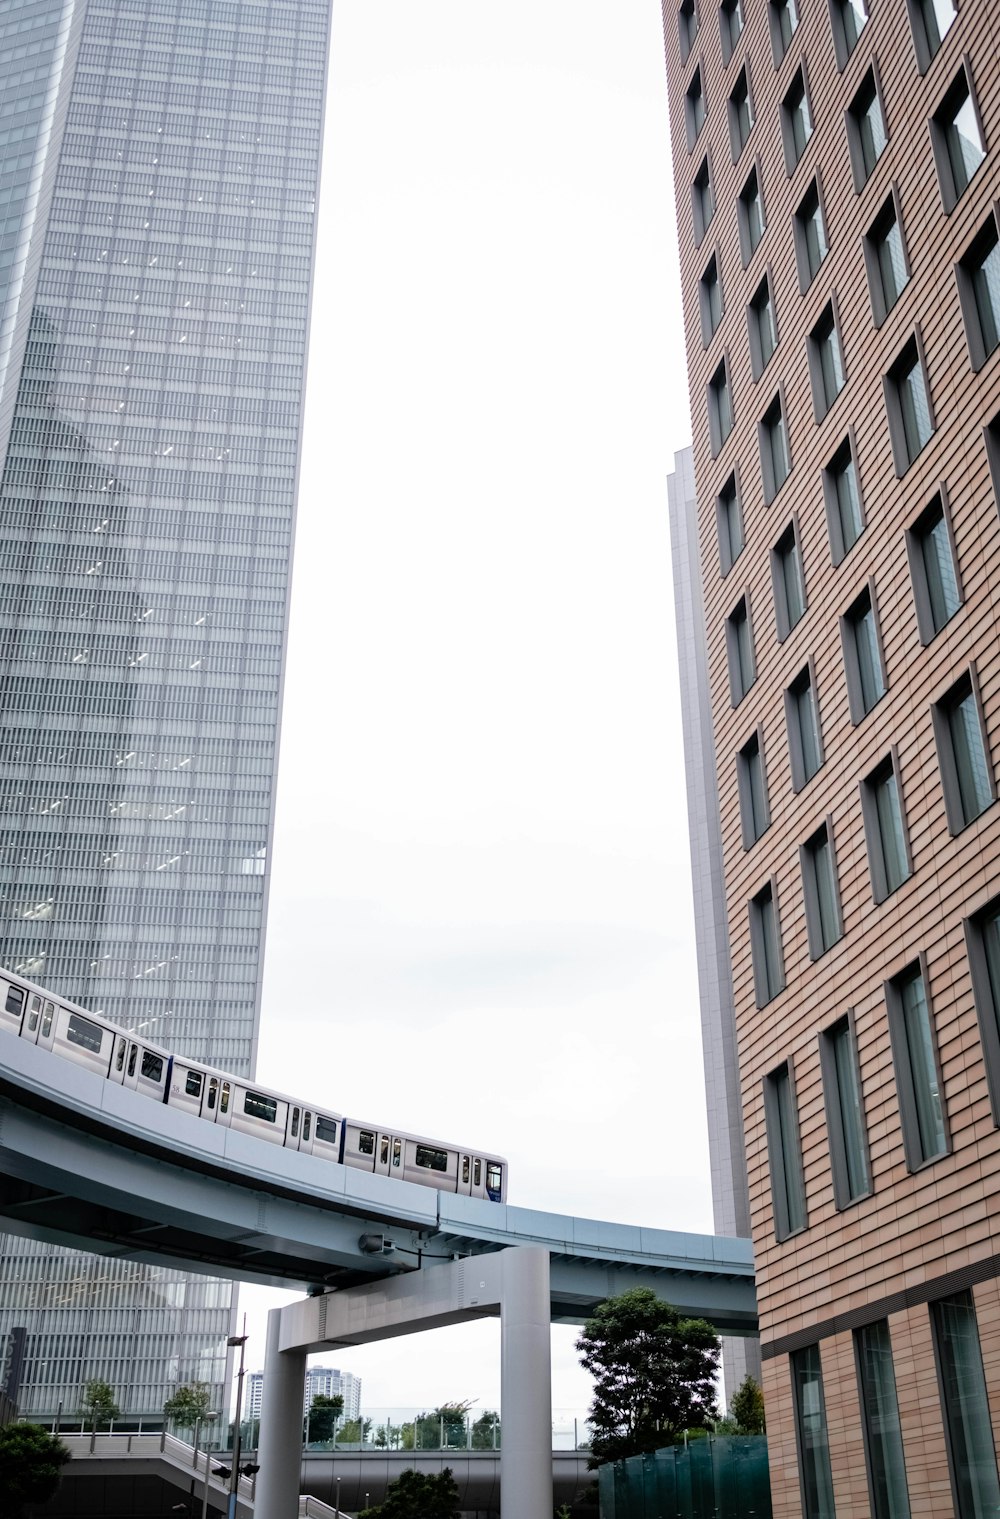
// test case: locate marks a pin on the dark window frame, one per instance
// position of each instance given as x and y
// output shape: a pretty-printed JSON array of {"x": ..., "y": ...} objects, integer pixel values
[
  {"x": 748, "y": 247},
  {"x": 941, "y": 122},
  {"x": 965, "y": 688},
  {"x": 910, "y": 356},
  {"x": 890, "y": 213},
  {"x": 776, "y": 412},
  {"x": 969, "y": 266},
  {"x": 796, "y": 688},
  {"x": 865, "y": 604},
  {"x": 902, "y": 1061},
  {"x": 758, "y": 360},
  {"x": 803, "y": 218},
  {"x": 882, "y": 885},
  {"x": 766, "y": 989},
  {"x": 727, "y": 558},
  {"x": 799, "y": 84},
  {"x": 863, "y": 165},
  {"x": 782, "y": 1148},
  {"x": 842, "y": 45},
  {"x": 751, "y": 752},
  {"x": 832, "y": 471},
  {"x": 737, "y": 140},
  {"x": 783, "y": 608},
  {"x": 917, "y": 535},
  {"x": 833, "y": 1099},
  {"x": 821, "y": 837}
]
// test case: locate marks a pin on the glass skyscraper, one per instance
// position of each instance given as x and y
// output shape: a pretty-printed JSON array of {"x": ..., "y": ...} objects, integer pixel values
[{"x": 158, "y": 176}]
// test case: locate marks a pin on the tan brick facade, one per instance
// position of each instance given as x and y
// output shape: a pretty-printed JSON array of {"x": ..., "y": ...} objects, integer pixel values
[{"x": 917, "y": 1225}]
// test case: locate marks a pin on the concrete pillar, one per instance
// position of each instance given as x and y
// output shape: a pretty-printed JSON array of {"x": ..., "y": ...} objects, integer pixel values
[
  {"x": 525, "y": 1386},
  {"x": 279, "y": 1443}
]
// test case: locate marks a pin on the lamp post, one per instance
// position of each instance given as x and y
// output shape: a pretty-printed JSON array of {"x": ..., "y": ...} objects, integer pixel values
[{"x": 234, "y": 1476}]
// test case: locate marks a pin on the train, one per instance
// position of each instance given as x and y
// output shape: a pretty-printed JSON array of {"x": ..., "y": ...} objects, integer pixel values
[{"x": 30, "y": 1012}]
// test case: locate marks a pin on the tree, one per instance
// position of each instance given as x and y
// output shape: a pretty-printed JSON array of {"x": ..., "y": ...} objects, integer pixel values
[
  {"x": 747, "y": 1408},
  {"x": 486, "y": 1431},
  {"x": 414, "y": 1495},
  {"x": 98, "y": 1406},
  {"x": 323, "y": 1415},
  {"x": 354, "y": 1432},
  {"x": 188, "y": 1405},
  {"x": 654, "y": 1374},
  {"x": 448, "y": 1419},
  {"x": 30, "y": 1466}
]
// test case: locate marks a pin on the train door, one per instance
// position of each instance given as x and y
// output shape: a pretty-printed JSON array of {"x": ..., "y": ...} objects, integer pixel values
[
  {"x": 464, "y": 1175},
  {"x": 299, "y": 1125},
  {"x": 138, "y": 1068},
  {"x": 39, "y": 1021},
  {"x": 388, "y": 1156},
  {"x": 218, "y": 1104}
]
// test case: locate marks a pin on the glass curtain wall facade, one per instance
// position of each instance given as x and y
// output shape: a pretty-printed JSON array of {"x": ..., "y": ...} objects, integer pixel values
[{"x": 160, "y": 165}]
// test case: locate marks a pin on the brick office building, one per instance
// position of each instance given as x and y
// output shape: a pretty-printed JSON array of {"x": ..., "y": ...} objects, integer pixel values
[{"x": 836, "y": 172}]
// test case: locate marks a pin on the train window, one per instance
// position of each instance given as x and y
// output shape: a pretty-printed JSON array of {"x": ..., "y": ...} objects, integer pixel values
[
  {"x": 326, "y": 1130},
  {"x": 432, "y": 1160},
  {"x": 493, "y": 1177},
  {"x": 478, "y": 1173},
  {"x": 84, "y": 1033},
  {"x": 192, "y": 1086},
  {"x": 36, "y": 1007},
  {"x": 47, "y": 1016},
  {"x": 256, "y": 1105},
  {"x": 397, "y": 1151},
  {"x": 306, "y": 1125},
  {"x": 465, "y": 1168},
  {"x": 213, "y": 1091},
  {"x": 295, "y": 1123},
  {"x": 131, "y": 1059},
  {"x": 224, "y": 1104},
  {"x": 15, "y": 1001},
  {"x": 366, "y": 1142},
  {"x": 384, "y": 1157},
  {"x": 152, "y": 1066},
  {"x": 120, "y": 1058}
]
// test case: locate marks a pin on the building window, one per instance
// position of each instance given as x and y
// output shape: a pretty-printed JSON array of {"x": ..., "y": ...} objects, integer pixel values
[
  {"x": 751, "y": 777},
  {"x": 702, "y": 200},
  {"x": 730, "y": 26},
  {"x": 720, "y": 407},
  {"x": 845, "y": 1113},
  {"x": 911, "y": 422},
  {"x": 979, "y": 288},
  {"x": 805, "y": 745},
  {"x": 826, "y": 363},
  {"x": 963, "y": 753},
  {"x": 863, "y": 661},
  {"x": 796, "y": 120},
  {"x": 866, "y": 130},
  {"x": 982, "y": 937},
  {"x": 762, "y": 328},
  {"x": 811, "y": 246},
  {"x": 765, "y": 946},
  {"x": 885, "y": 259},
  {"x": 847, "y": 19},
  {"x": 694, "y": 108},
  {"x": 885, "y": 829},
  {"x": 750, "y": 216},
  {"x": 740, "y": 113},
  {"x": 937, "y": 594},
  {"x": 972, "y": 1460},
  {"x": 710, "y": 300},
  {"x": 930, "y": 21},
  {"x": 729, "y": 520},
  {"x": 687, "y": 26},
  {"x": 775, "y": 459},
  {"x": 880, "y": 1416},
  {"x": 822, "y": 899},
  {"x": 958, "y": 139},
  {"x": 918, "y": 1078},
  {"x": 810, "y": 1434},
  {"x": 739, "y": 651},
  {"x": 788, "y": 581},
  {"x": 842, "y": 495},
  {"x": 784, "y": 1153},
  {"x": 783, "y": 18}
]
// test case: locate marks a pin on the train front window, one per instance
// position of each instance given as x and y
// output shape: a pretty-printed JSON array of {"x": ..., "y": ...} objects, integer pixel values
[
  {"x": 47, "y": 1016},
  {"x": 256, "y": 1105},
  {"x": 152, "y": 1066},
  {"x": 36, "y": 1007},
  {"x": 133, "y": 1052},
  {"x": 397, "y": 1150},
  {"x": 192, "y": 1086},
  {"x": 224, "y": 1104},
  {"x": 84, "y": 1033},
  {"x": 431, "y": 1160},
  {"x": 326, "y": 1130},
  {"x": 14, "y": 1003},
  {"x": 366, "y": 1142},
  {"x": 494, "y": 1176}
]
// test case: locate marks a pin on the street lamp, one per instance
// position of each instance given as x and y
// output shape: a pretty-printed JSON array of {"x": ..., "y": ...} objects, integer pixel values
[
  {"x": 206, "y": 1418},
  {"x": 234, "y": 1476}
]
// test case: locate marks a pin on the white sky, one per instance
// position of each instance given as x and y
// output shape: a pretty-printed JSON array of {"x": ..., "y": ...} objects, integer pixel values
[{"x": 480, "y": 918}]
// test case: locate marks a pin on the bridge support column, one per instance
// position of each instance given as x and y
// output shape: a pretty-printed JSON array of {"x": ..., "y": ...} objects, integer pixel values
[
  {"x": 525, "y": 1386},
  {"x": 279, "y": 1442}
]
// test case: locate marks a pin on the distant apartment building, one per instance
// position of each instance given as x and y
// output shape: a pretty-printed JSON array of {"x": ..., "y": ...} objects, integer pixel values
[
  {"x": 327, "y": 1381},
  {"x": 837, "y": 170}
]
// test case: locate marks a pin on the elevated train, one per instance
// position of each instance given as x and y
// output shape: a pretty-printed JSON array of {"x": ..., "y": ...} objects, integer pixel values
[{"x": 29, "y": 1012}]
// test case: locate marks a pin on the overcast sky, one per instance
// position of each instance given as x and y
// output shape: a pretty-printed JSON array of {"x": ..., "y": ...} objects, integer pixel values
[{"x": 480, "y": 919}]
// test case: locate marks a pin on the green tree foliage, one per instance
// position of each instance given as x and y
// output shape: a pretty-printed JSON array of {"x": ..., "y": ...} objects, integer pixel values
[
  {"x": 414, "y": 1495},
  {"x": 482, "y": 1431},
  {"x": 654, "y": 1374},
  {"x": 354, "y": 1432},
  {"x": 31, "y": 1462},
  {"x": 427, "y": 1428},
  {"x": 323, "y": 1415},
  {"x": 97, "y": 1405},
  {"x": 188, "y": 1405},
  {"x": 747, "y": 1408}
]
